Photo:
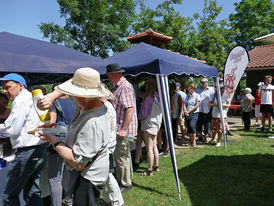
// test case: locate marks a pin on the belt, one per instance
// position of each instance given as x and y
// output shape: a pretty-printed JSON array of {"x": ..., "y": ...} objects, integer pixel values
[{"x": 21, "y": 149}]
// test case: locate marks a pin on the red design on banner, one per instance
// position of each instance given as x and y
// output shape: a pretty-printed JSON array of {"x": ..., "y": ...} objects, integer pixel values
[{"x": 229, "y": 82}]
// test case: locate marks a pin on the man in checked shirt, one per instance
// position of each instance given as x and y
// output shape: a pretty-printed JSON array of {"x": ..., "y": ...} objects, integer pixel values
[{"x": 125, "y": 106}]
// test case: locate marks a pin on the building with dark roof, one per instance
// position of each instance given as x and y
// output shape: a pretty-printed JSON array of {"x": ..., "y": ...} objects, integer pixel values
[{"x": 261, "y": 64}]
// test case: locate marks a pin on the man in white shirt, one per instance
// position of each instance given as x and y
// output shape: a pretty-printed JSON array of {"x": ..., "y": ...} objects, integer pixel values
[
  {"x": 30, "y": 157},
  {"x": 203, "y": 123},
  {"x": 266, "y": 93}
]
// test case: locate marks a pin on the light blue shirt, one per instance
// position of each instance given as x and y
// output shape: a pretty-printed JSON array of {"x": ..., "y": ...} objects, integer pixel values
[
  {"x": 22, "y": 118},
  {"x": 191, "y": 101},
  {"x": 205, "y": 94}
]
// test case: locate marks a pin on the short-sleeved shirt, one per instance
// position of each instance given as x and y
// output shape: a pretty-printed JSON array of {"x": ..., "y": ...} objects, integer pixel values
[
  {"x": 112, "y": 115},
  {"x": 89, "y": 133},
  {"x": 244, "y": 101},
  {"x": 182, "y": 95},
  {"x": 215, "y": 111},
  {"x": 267, "y": 94},
  {"x": 125, "y": 98},
  {"x": 191, "y": 100},
  {"x": 68, "y": 109},
  {"x": 205, "y": 94}
]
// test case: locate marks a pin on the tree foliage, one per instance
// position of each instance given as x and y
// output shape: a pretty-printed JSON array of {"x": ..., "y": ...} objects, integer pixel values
[
  {"x": 210, "y": 41},
  {"x": 207, "y": 40},
  {"x": 99, "y": 28},
  {"x": 166, "y": 20},
  {"x": 93, "y": 27},
  {"x": 252, "y": 18}
]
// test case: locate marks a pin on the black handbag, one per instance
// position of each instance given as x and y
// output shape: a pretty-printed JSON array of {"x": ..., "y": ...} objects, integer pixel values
[{"x": 190, "y": 115}]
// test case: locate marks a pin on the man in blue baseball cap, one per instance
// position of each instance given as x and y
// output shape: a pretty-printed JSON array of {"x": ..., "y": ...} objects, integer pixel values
[
  {"x": 18, "y": 80},
  {"x": 24, "y": 170}
]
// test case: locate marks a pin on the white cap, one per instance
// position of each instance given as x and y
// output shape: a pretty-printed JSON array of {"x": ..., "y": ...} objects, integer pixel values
[
  {"x": 260, "y": 84},
  {"x": 204, "y": 80}
]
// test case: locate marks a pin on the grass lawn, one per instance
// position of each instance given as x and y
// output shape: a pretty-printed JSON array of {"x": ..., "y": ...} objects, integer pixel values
[{"x": 211, "y": 176}]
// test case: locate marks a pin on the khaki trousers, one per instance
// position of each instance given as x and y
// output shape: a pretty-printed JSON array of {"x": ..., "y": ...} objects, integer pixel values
[{"x": 122, "y": 158}]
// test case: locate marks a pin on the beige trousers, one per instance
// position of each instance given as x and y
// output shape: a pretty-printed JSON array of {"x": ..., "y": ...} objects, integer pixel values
[{"x": 122, "y": 159}]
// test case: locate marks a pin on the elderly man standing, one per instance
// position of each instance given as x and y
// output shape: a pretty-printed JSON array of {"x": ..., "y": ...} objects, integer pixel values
[
  {"x": 203, "y": 123},
  {"x": 30, "y": 157},
  {"x": 127, "y": 123}
]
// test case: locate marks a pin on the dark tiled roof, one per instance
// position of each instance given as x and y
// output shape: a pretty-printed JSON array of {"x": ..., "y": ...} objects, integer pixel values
[{"x": 261, "y": 56}]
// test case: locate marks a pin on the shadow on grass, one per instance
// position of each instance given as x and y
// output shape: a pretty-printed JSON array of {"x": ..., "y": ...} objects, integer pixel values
[
  {"x": 151, "y": 190},
  {"x": 233, "y": 180}
]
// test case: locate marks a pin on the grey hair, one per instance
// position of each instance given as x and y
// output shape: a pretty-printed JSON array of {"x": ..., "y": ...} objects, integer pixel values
[{"x": 248, "y": 90}]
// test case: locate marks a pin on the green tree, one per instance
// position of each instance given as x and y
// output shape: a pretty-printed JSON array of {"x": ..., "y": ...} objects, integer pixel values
[
  {"x": 253, "y": 18},
  {"x": 202, "y": 36},
  {"x": 93, "y": 27},
  {"x": 166, "y": 20},
  {"x": 210, "y": 41}
]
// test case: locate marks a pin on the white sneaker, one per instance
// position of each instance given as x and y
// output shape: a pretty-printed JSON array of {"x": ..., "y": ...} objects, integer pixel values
[
  {"x": 270, "y": 129},
  {"x": 218, "y": 144}
]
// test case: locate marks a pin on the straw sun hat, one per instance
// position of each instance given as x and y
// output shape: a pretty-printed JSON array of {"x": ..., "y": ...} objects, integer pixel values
[{"x": 85, "y": 83}]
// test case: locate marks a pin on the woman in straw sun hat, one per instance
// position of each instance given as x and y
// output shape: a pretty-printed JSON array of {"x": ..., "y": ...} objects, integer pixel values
[{"x": 85, "y": 149}]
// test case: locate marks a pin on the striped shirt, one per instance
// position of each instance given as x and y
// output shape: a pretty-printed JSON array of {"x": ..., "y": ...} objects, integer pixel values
[{"x": 125, "y": 98}]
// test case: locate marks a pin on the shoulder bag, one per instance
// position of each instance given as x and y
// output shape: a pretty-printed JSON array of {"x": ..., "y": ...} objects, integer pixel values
[{"x": 71, "y": 179}]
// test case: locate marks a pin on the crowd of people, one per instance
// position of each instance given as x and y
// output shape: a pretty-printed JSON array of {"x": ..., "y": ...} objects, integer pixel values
[
  {"x": 81, "y": 161},
  {"x": 197, "y": 112},
  {"x": 263, "y": 101}
]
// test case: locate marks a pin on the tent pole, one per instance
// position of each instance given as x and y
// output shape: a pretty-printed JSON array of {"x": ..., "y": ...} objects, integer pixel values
[
  {"x": 220, "y": 105},
  {"x": 163, "y": 90}
]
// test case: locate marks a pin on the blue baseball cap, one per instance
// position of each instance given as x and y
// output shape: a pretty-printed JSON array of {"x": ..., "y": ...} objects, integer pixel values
[{"x": 14, "y": 77}]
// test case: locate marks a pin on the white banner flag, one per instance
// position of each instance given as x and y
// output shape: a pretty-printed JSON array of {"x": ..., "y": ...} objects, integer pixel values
[{"x": 236, "y": 63}]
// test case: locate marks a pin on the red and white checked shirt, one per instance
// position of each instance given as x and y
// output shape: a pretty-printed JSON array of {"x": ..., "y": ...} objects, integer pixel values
[{"x": 125, "y": 98}]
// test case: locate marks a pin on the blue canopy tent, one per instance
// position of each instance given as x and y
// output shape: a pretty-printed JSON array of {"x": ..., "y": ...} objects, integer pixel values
[
  {"x": 42, "y": 62},
  {"x": 146, "y": 59}
]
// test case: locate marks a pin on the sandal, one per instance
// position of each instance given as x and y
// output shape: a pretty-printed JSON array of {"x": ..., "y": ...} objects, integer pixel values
[
  {"x": 156, "y": 168},
  {"x": 146, "y": 173}
]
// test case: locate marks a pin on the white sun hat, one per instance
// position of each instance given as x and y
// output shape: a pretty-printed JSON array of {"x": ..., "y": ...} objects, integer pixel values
[{"x": 85, "y": 83}]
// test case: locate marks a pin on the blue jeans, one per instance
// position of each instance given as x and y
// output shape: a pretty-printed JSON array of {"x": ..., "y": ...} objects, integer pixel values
[
  {"x": 24, "y": 174},
  {"x": 191, "y": 123}
]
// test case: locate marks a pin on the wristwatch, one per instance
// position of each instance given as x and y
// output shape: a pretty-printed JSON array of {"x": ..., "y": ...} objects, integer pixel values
[{"x": 56, "y": 144}]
